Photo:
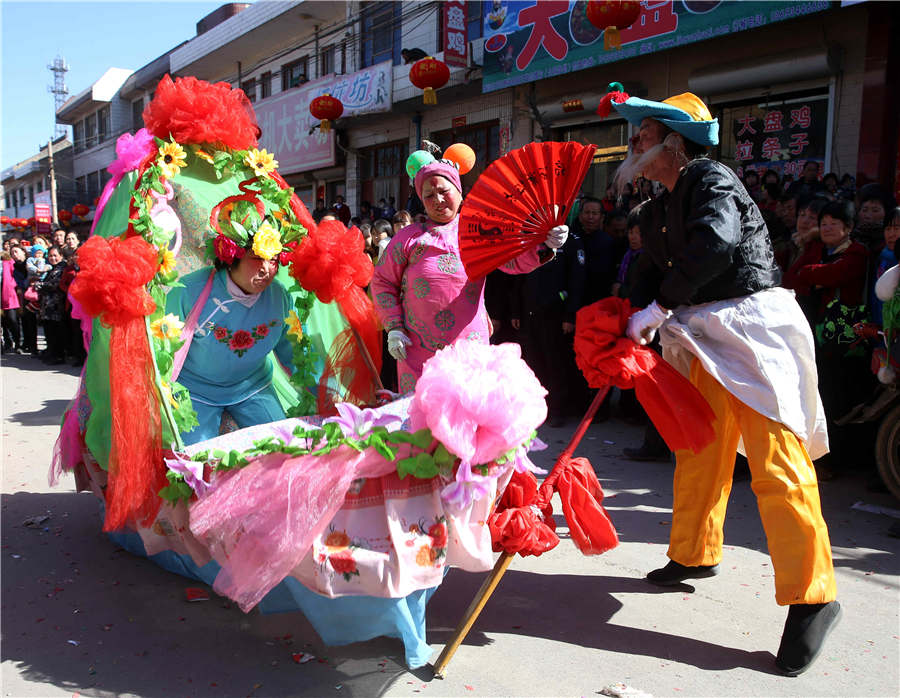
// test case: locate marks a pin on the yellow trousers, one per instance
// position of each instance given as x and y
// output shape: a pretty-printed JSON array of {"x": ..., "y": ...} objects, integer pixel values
[{"x": 787, "y": 493}]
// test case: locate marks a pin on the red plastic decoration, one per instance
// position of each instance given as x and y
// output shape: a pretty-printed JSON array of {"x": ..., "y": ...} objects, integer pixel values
[
  {"x": 429, "y": 74},
  {"x": 607, "y": 357},
  {"x": 189, "y": 110},
  {"x": 112, "y": 285},
  {"x": 612, "y": 16},
  {"x": 516, "y": 201},
  {"x": 80, "y": 210},
  {"x": 327, "y": 109}
]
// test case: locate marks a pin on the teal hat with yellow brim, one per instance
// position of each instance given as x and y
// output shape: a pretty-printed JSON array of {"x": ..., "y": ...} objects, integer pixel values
[{"x": 685, "y": 113}]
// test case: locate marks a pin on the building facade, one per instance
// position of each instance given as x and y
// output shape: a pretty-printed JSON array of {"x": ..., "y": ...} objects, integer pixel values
[
  {"x": 789, "y": 82},
  {"x": 29, "y": 182}
]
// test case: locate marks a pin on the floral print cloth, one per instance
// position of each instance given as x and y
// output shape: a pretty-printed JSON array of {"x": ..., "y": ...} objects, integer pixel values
[{"x": 421, "y": 287}]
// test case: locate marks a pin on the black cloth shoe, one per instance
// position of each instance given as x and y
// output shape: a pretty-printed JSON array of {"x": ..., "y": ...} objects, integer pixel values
[
  {"x": 675, "y": 573},
  {"x": 646, "y": 454},
  {"x": 805, "y": 630}
]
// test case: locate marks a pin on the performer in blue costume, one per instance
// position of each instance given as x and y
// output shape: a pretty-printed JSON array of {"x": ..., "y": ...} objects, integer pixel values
[{"x": 241, "y": 322}]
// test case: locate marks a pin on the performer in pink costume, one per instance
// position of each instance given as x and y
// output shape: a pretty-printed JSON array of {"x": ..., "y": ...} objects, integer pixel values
[{"x": 420, "y": 288}]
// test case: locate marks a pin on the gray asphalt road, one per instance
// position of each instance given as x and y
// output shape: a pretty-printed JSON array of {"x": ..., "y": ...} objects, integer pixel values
[{"x": 81, "y": 617}]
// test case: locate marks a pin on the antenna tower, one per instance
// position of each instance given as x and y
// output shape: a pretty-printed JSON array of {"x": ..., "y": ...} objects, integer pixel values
[{"x": 58, "y": 89}]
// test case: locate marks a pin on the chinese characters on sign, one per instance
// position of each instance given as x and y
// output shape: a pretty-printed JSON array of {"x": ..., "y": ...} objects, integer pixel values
[
  {"x": 782, "y": 137},
  {"x": 456, "y": 37},
  {"x": 42, "y": 216},
  {"x": 525, "y": 41},
  {"x": 291, "y": 133}
]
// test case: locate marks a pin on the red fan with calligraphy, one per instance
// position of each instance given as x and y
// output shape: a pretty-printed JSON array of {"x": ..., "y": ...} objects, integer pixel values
[{"x": 516, "y": 201}]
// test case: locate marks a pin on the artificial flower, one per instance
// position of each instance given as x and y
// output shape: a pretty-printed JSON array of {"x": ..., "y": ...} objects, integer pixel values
[
  {"x": 266, "y": 241},
  {"x": 200, "y": 153},
  {"x": 167, "y": 261},
  {"x": 191, "y": 470},
  {"x": 295, "y": 327},
  {"x": 466, "y": 488},
  {"x": 358, "y": 423},
  {"x": 227, "y": 249},
  {"x": 167, "y": 327},
  {"x": 171, "y": 159},
  {"x": 261, "y": 162}
]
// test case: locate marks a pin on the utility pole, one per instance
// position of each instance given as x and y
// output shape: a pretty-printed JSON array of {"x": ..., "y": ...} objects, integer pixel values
[{"x": 53, "y": 220}]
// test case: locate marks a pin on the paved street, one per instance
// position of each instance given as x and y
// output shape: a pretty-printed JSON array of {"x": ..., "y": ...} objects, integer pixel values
[{"x": 81, "y": 617}]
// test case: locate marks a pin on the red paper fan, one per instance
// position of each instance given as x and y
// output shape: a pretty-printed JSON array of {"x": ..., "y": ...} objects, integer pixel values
[{"x": 516, "y": 201}]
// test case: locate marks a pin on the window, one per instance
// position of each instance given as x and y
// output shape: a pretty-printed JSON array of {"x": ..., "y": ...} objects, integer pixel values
[
  {"x": 103, "y": 124},
  {"x": 90, "y": 131},
  {"x": 78, "y": 136},
  {"x": 137, "y": 114},
  {"x": 474, "y": 20},
  {"x": 326, "y": 61},
  {"x": 293, "y": 74},
  {"x": 40, "y": 185},
  {"x": 379, "y": 173},
  {"x": 380, "y": 32},
  {"x": 265, "y": 85},
  {"x": 80, "y": 187},
  {"x": 249, "y": 88},
  {"x": 30, "y": 194},
  {"x": 483, "y": 138}
]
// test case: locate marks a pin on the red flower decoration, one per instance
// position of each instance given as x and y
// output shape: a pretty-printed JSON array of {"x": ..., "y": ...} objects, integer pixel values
[
  {"x": 227, "y": 249},
  {"x": 343, "y": 562},
  {"x": 262, "y": 330},
  {"x": 438, "y": 533},
  {"x": 241, "y": 341},
  {"x": 220, "y": 333}
]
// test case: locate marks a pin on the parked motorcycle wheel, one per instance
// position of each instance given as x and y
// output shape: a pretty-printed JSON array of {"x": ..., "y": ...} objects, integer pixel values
[{"x": 887, "y": 450}]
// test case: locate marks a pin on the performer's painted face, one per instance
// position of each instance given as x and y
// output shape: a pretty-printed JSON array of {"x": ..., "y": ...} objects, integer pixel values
[
  {"x": 441, "y": 199},
  {"x": 253, "y": 274}
]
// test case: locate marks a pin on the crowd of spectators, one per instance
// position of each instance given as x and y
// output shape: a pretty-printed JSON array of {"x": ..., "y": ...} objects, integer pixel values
[{"x": 37, "y": 273}]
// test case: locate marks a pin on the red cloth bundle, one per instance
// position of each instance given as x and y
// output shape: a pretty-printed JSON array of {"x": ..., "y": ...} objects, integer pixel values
[
  {"x": 112, "y": 285},
  {"x": 607, "y": 357},
  {"x": 522, "y": 522}
]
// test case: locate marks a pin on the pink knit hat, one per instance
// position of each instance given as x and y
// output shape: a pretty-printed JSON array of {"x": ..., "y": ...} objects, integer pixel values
[{"x": 440, "y": 168}]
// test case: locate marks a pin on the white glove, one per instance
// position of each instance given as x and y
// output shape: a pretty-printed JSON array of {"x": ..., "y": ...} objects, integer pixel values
[
  {"x": 557, "y": 236},
  {"x": 397, "y": 342},
  {"x": 642, "y": 326}
]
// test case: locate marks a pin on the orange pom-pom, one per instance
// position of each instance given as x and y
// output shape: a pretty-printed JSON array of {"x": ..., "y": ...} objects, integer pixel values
[
  {"x": 462, "y": 155},
  {"x": 112, "y": 279},
  {"x": 195, "y": 111}
]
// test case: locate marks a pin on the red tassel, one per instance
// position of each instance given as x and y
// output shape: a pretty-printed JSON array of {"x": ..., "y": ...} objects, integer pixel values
[{"x": 605, "y": 106}]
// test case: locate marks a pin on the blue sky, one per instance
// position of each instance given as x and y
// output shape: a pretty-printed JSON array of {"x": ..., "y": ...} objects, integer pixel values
[{"x": 91, "y": 36}]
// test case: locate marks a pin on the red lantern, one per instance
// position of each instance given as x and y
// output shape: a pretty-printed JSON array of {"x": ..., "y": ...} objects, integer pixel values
[
  {"x": 4, "y": 220},
  {"x": 64, "y": 216},
  {"x": 19, "y": 222},
  {"x": 80, "y": 210},
  {"x": 429, "y": 74},
  {"x": 327, "y": 109},
  {"x": 30, "y": 222},
  {"x": 611, "y": 16}
]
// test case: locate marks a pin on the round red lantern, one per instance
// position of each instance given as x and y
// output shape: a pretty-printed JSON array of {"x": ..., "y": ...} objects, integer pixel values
[
  {"x": 30, "y": 222},
  {"x": 429, "y": 74},
  {"x": 64, "y": 215},
  {"x": 81, "y": 210},
  {"x": 612, "y": 16},
  {"x": 19, "y": 222},
  {"x": 327, "y": 109},
  {"x": 4, "y": 220}
]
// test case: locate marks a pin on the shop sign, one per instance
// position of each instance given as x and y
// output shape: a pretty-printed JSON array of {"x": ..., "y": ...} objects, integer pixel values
[
  {"x": 456, "y": 35},
  {"x": 526, "y": 41},
  {"x": 783, "y": 138},
  {"x": 291, "y": 132},
  {"x": 42, "y": 216},
  {"x": 458, "y": 122}
]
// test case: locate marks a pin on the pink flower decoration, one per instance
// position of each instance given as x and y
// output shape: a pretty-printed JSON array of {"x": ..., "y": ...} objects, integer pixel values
[
  {"x": 131, "y": 151},
  {"x": 227, "y": 249},
  {"x": 479, "y": 400}
]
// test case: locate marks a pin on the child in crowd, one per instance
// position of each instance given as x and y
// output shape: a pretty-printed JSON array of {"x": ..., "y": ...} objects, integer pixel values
[
  {"x": 36, "y": 265},
  {"x": 885, "y": 260}
]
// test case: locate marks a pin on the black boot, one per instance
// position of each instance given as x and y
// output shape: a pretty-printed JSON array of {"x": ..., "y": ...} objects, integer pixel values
[
  {"x": 805, "y": 630},
  {"x": 675, "y": 573}
]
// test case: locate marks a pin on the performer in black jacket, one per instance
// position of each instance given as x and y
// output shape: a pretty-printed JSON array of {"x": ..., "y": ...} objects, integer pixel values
[{"x": 744, "y": 342}]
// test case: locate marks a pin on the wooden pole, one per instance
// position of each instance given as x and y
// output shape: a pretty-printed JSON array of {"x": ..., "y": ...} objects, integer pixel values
[
  {"x": 503, "y": 562},
  {"x": 472, "y": 613}
]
